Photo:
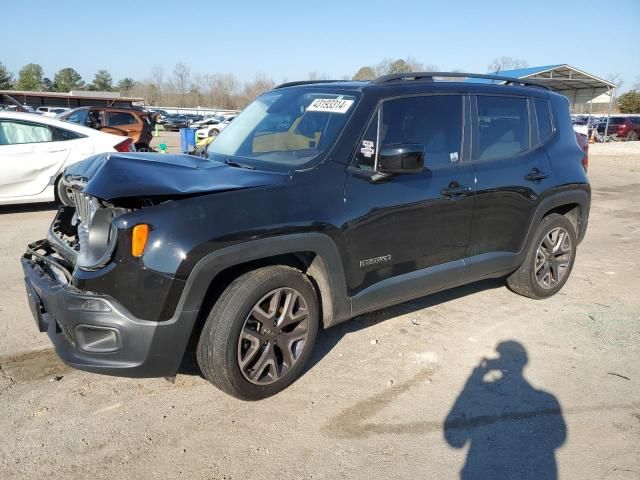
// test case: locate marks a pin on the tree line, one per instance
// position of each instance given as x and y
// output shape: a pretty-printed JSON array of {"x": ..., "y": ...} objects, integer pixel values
[
  {"x": 181, "y": 87},
  {"x": 31, "y": 77}
]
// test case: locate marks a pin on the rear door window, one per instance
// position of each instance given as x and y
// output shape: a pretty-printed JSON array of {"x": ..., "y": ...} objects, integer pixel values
[
  {"x": 503, "y": 127},
  {"x": 15, "y": 133}
]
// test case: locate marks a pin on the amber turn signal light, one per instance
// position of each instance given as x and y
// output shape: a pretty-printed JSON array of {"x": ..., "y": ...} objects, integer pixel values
[{"x": 139, "y": 239}]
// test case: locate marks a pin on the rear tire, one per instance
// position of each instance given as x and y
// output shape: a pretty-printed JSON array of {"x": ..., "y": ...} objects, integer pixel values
[
  {"x": 549, "y": 260},
  {"x": 260, "y": 333},
  {"x": 633, "y": 136}
]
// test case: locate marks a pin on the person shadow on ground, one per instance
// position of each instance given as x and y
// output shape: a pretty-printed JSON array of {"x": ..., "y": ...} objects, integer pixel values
[{"x": 512, "y": 429}]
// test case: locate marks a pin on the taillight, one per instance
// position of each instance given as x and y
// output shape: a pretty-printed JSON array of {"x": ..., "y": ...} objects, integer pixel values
[
  {"x": 582, "y": 142},
  {"x": 126, "y": 146}
]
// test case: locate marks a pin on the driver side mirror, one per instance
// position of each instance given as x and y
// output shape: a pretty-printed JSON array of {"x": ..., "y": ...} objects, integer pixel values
[{"x": 401, "y": 158}]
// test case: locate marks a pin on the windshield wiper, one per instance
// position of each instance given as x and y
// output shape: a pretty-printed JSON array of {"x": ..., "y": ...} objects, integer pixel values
[{"x": 231, "y": 163}]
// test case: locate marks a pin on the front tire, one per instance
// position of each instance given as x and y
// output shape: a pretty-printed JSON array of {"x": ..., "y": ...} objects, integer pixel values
[
  {"x": 61, "y": 195},
  {"x": 632, "y": 136},
  {"x": 549, "y": 260},
  {"x": 260, "y": 333}
]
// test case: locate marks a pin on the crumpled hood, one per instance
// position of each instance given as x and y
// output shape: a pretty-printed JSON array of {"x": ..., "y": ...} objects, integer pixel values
[{"x": 110, "y": 176}]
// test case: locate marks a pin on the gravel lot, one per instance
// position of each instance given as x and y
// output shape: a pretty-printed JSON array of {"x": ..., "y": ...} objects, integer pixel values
[{"x": 375, "y": 399}]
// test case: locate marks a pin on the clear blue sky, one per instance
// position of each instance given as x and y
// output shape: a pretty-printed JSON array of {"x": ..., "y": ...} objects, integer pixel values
[{"x": 287, "y": 40}]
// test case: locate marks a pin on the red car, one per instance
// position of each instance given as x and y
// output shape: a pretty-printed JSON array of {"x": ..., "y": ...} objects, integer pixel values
[{"x": 627, "y": 127}]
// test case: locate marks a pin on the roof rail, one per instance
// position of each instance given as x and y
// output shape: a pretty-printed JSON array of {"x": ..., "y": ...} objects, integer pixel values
[
  {"x": 304, "y": 82},
  {"x": 429, "y": 76}
]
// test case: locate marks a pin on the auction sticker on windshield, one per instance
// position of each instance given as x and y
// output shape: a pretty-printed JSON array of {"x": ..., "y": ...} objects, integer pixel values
[{"x": 330, "y": 105}]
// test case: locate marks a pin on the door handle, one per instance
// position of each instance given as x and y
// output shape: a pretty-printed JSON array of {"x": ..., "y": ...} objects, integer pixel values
[
  {"x": 455, "y": 189},
  {"x": 536, "y": 174}
]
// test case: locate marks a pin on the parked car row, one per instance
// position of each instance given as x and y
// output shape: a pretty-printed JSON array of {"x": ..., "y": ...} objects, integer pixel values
[
  {"x": 623, "y": 127},
  {"x": 128, "y": 122},
  {"x": 626, "y": 127},
  {"x": 214, "y": 126},
  {"x": 46, "y": 111}
]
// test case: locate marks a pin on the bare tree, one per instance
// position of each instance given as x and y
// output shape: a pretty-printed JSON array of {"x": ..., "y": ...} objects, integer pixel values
[
  {"x": 252, "y": 89},
  {"x": 318, "y": 76},
  {"x": 616, "y": 79},
  {"x": 506, "y": 63},
  {"x": 182, "y": 80},
  {"x": 415, "y": 65},
  {"x": 384, "y": 67},
  {"x": 400, "y": 65},
  {"x": 157, "y": 77},
  {"x": 221, "y": 90}
]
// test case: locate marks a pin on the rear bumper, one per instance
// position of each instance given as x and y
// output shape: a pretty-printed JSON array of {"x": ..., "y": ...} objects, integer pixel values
[{"x": 94, "y": 332}]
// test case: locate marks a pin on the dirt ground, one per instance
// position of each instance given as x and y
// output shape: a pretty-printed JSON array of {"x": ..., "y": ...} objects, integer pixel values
[{"x": 400, "y": 393}]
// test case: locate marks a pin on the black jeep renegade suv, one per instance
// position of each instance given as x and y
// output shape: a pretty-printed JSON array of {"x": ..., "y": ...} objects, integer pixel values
[{"x": 320, "y": 202}]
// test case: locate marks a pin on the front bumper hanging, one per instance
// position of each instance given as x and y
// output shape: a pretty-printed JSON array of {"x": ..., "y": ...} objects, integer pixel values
[{"x": 94, "y": 332}]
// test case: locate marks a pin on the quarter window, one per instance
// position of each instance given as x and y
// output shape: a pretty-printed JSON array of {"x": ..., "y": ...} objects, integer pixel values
[
  {"x": 434, "y": 121},
  {"x": 543, "y": 115},
  {"x": 14, "y": 133},
  {"x": 503, "y": 127},
  {"x": 61, "y": 134}
]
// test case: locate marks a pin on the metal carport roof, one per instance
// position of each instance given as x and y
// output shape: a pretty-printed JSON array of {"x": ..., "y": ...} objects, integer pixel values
[{"x": 578, "y": 86}]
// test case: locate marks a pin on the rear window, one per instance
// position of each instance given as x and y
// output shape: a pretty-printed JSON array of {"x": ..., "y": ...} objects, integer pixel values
[
  {"x": 543, "y": 116},
  {"x": 616, "y": 121},
  {"x": 121, "y": 118},
  {"x": 503, "y": 127}
]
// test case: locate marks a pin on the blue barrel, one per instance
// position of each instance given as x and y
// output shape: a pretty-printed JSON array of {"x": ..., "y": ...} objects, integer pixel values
[{"x": 187, "y": 139}]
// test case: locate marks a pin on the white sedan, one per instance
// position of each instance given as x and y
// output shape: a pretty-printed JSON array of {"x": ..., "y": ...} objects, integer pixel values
[
  {"x": 34, "y": 150},
  {"x": 213, "y": 130}
]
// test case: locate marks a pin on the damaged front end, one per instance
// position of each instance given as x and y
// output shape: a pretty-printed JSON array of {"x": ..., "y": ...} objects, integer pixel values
[
  {"x": 85, "y": 231},
  {"x": 108, "y": 304},
  {"x": 102, "y": 313}
]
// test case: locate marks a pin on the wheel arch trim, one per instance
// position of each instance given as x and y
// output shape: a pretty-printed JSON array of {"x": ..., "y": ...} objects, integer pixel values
[
  {"x": 326, "y": 270},
  {"x": 578, "y": 194}
]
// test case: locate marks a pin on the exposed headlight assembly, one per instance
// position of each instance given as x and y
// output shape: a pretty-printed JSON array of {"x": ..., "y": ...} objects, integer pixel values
[{"x": 97, "y": 235}]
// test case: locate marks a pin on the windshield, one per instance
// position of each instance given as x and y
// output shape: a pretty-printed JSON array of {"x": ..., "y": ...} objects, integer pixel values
[
  {"x": 287, "y": 127},
  {"x": 78, "y": 116}
]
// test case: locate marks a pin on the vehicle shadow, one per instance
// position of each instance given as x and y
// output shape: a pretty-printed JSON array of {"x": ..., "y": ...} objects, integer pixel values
[
  {"x": 512, "y": 429},
  {"x": 28, "y": 207},
  {"x": 329, "y": 338}
]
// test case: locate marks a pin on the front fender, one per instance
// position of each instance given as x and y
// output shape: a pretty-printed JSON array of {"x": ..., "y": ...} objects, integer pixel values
[{"x": 328, "y": 266}]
